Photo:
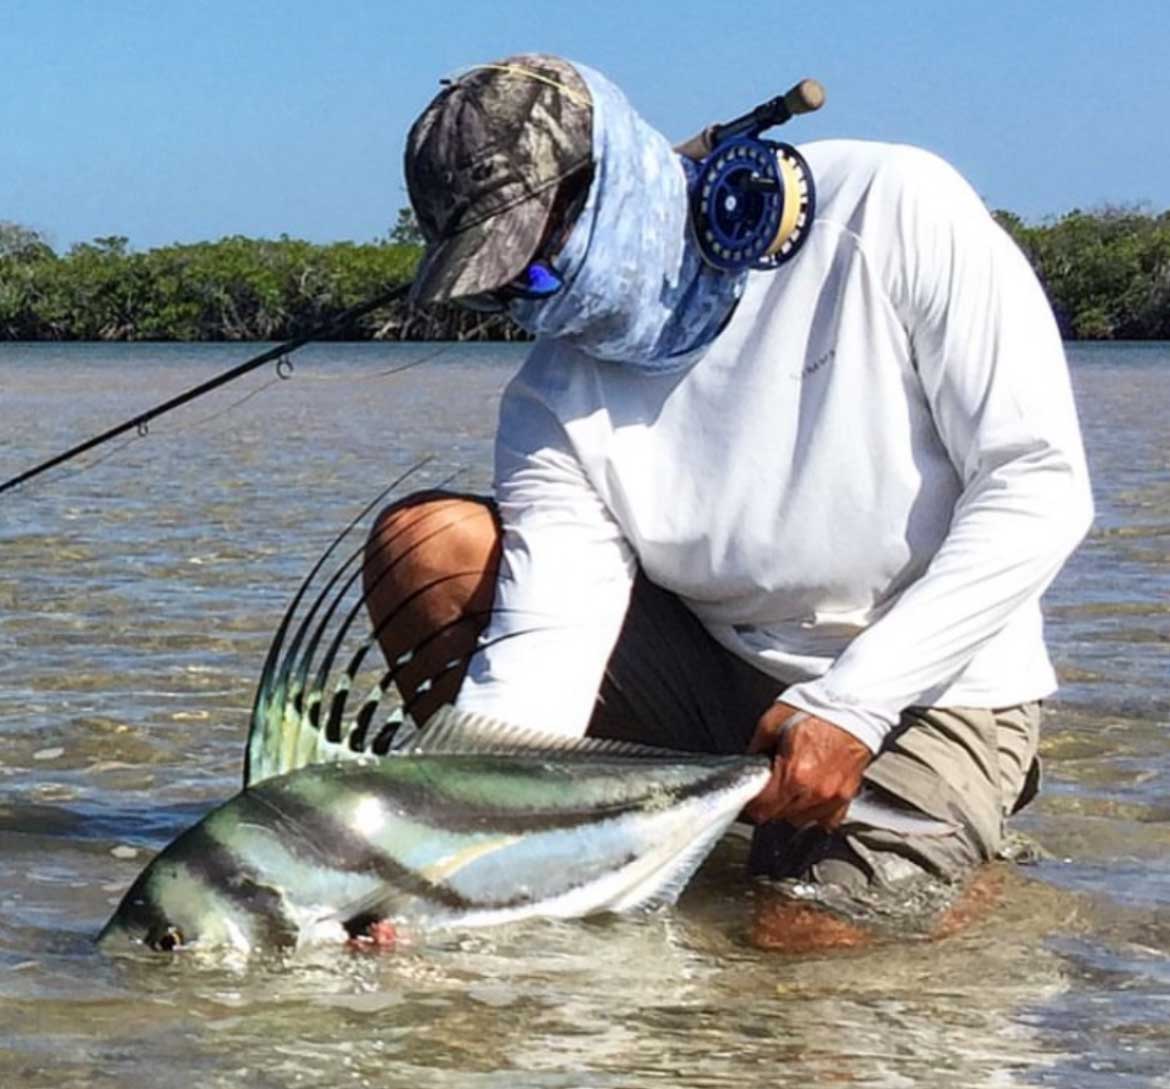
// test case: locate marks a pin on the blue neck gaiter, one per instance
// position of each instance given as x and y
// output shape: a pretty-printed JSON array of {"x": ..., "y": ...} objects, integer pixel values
[{"x": 636, "y": 291}]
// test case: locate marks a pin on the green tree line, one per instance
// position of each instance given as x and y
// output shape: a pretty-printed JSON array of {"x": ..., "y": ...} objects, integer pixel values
[
  {"x": 1106, "y": 273},
  {"x": 234, "y": 289}
]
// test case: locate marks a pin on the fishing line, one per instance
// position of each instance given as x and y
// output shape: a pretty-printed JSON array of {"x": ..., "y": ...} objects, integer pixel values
[
  {"x": 285, "y": 375},
  {"x": 179, "y": 429},
  {"x": 68, "y": 474},
  {"x": 194, "y": 425},
  {"x": 380, "y": 374},
  {"x": 201, "y": 425},
  {"x": 277, "y": 355}
]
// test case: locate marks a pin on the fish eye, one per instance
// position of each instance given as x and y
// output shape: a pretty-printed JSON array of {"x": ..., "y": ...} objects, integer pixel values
[{"x": 169, "y": 940}]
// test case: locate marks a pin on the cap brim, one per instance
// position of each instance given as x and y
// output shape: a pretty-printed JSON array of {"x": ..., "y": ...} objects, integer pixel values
[{"x": 486, "y": 256}]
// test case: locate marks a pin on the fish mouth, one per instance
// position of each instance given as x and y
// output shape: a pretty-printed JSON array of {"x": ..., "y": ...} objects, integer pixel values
[
  {"x": 125, "y": 941},
  {"x": 128, "y": 930},
  {"x": 118, "y": 940},
  {"x": 140, "y": 929}
]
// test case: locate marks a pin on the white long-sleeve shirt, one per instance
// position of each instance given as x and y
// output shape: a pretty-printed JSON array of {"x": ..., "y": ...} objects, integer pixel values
[{"x": 862, "y": 486}]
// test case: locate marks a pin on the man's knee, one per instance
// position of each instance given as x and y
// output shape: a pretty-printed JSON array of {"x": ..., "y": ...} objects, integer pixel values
[{"x": 431, "y": 545}]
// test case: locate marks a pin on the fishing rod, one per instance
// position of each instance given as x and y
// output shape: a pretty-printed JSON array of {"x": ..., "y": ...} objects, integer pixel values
[{"x": 277, "y": 354}]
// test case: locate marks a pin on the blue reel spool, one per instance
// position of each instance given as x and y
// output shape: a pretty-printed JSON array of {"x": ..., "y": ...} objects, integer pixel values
[{"x": 739, "y": 199}]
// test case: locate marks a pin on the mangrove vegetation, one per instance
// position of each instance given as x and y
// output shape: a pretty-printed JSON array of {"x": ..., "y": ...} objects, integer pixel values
[
  {"x": 234, "y": 289},
  {"x": 1106, "y": 272}
]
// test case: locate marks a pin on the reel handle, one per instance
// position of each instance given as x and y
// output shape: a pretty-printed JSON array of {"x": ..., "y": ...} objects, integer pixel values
[{"x": 806, "y": 96}]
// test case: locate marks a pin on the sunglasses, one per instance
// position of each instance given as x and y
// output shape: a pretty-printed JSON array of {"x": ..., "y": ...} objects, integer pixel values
[{"x": 538, "y": 280}]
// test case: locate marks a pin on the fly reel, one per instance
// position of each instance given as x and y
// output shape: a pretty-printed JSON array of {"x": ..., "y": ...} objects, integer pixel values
[{"x": 752, "y": 200}]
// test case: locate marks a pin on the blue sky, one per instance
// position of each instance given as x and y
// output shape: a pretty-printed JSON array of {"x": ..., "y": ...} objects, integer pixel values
[{"x": 176, "y": 120}]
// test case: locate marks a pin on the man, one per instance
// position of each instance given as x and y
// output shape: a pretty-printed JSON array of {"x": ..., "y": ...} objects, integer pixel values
[{"x": 830, "y": 495}]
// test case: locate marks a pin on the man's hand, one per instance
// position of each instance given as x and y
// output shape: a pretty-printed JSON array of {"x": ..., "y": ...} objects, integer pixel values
[{"x": 816, "y": 771}]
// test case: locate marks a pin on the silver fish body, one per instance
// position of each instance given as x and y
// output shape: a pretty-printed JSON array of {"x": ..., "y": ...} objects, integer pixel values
[{"x": 433, "y": 841}]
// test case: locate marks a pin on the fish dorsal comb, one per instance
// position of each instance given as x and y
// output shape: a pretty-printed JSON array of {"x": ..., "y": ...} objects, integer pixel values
[
  {"x": 299, "y": 715},
  {"x": 451, "y": 731}
]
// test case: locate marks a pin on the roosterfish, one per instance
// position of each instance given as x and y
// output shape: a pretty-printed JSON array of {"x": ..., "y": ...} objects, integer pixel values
[{"x": 480, "y": 824}]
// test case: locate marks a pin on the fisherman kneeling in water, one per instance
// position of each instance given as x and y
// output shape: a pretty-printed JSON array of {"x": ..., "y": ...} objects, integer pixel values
[{"x": 808, "y": 510}]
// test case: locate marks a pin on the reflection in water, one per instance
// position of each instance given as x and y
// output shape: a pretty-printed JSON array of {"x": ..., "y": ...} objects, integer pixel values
[{"x": 137, "y": 599}]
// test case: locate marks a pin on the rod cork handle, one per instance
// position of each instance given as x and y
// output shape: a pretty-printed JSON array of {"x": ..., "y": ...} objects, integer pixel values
[{"x": 806, "y": 96}]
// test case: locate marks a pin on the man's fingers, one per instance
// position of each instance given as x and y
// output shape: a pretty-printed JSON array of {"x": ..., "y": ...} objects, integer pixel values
[
  {"x": 774, "y": 803},
  {"x": 777, "y": 797},
  {"x": 800, "y": 801},
  {"x": 765, "y": 805},
  {"x": 816, "y": 768}
]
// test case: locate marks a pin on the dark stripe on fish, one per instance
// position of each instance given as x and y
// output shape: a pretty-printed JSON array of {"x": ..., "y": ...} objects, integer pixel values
[
  {"x": 223, "y": 869},
  {"x": 433, "y": 801}
]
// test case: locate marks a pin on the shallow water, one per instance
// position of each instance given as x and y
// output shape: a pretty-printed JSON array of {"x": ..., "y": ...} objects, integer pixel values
[{"x": 137, "y": 600}]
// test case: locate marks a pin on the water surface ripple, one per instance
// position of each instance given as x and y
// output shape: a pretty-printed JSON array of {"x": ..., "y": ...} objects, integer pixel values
[{"x": 136, "y": 602}]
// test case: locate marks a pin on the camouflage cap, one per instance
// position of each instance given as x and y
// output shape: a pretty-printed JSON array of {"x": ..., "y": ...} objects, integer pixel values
[{"x": 483, "y": 163}]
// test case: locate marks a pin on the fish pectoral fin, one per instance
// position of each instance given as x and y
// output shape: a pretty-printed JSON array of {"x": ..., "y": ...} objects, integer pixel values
[
  {"x": 872, "y": 810},
  {"x": 662, "y": 886}
]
